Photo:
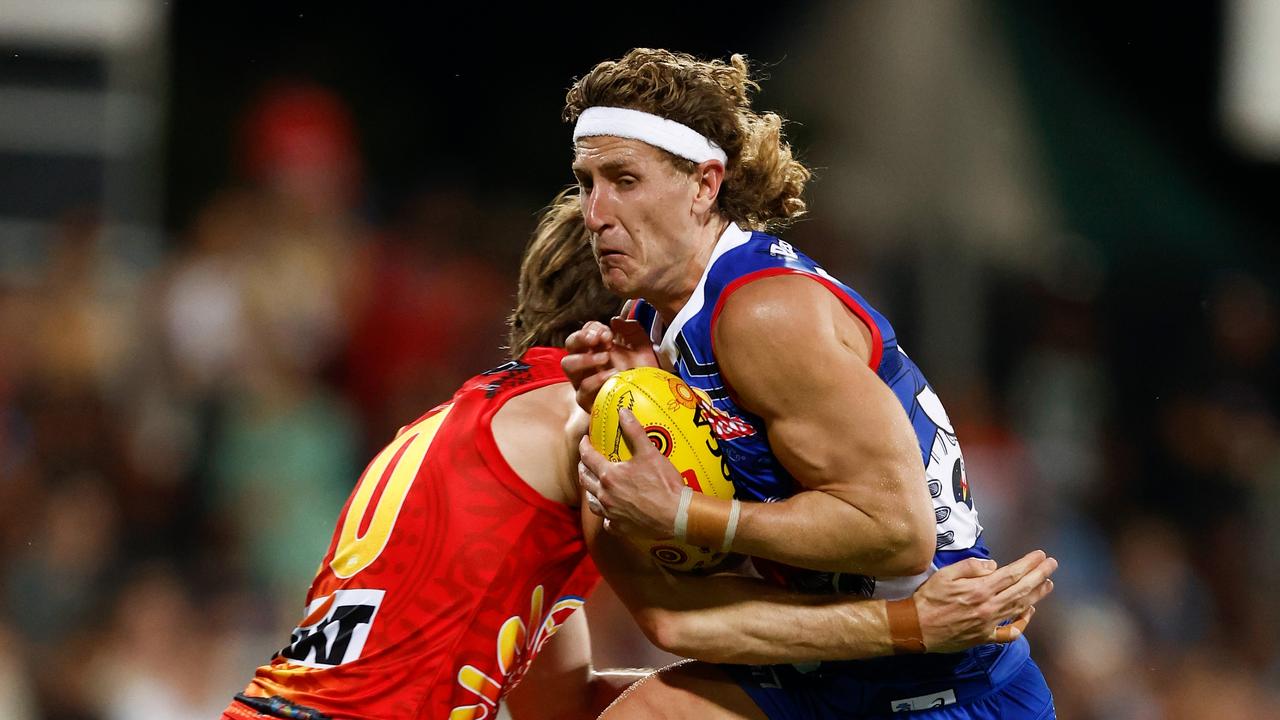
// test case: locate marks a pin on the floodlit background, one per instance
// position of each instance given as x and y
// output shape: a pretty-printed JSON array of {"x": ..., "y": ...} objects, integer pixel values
[{"x": 239, "y": 246}]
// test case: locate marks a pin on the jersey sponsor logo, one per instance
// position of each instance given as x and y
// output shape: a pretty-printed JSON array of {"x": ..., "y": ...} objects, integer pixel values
[
  {"x": 517, "y": 646},
  {"x": 783, "y": 249},
  {"x": 335, "y": 629}
]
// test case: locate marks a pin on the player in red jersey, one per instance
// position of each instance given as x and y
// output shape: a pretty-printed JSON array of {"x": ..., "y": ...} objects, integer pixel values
[{"x": 459, "y": 554}]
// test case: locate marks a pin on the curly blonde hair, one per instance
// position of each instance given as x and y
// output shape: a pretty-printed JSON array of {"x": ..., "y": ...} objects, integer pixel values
[
  {"x": 763, "y": 181},
  {"x": 560, "y": 286}
]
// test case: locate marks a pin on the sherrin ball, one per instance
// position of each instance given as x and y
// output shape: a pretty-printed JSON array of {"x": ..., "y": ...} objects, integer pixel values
[{"x": 674, "y": 418}]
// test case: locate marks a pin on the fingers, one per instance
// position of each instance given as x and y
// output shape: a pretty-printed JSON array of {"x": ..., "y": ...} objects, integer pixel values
[
  {"x": 594, "y": 505},
  {"x": 634, "y": 433},
  {"x": 583, "y": 364},
  {"x": 1039, "y": 593},
  {"x": 629, "y": 332},
  {"x": 591, "y": 459},
  {"x": 589, "y": 388},
  {"x": 1013, "y": 572},
  {"x": 587, "y": 361},
  {"x": 1029, "y": 580},
  {"x": 590, "y": 482},
  {"x": 593, "y": 337},
  {"x": 1013, "y": 631}
]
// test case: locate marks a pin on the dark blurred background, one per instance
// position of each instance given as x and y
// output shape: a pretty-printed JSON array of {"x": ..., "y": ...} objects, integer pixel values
[{"x": 241, "y": 244}]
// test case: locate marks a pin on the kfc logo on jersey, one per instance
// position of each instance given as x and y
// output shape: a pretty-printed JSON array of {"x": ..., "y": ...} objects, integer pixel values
[
  {"x": 723, "y": 425},
  {"x": 335, "y": 628}
]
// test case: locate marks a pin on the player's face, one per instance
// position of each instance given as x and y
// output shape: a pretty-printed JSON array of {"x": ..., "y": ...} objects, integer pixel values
[{"x": 639, "y": 209}]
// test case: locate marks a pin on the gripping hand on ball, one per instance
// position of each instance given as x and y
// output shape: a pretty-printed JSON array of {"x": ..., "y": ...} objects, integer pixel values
[
  {"x": 597, "y": 352},
  {"x": 635, "y": 497}
]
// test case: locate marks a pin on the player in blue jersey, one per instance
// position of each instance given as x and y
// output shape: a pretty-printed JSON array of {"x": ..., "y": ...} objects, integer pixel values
[{"x": 824, "y": 420}]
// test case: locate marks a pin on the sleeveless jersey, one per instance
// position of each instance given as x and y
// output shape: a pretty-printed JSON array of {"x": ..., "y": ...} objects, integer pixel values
[
  {"x": 445, "y": 575},
  {"x": 739, "y": 258}
]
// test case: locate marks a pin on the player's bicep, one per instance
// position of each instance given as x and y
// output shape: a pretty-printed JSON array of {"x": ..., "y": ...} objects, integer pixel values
[
  {"x": 797, "y": 358},
  {"x": 849, "y": 439}
]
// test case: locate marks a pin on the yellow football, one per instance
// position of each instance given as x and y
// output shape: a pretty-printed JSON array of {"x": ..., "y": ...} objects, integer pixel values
[{"x": 672, "y": 415}]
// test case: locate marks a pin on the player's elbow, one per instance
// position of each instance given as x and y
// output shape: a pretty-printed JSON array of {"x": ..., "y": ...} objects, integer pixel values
[
  {"x": 673, "y": 632},
  {"x": 908, "y": 548},
  {"x": 661, "y": 627}
]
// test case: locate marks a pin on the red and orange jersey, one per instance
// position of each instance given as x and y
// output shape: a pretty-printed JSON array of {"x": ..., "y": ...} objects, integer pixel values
[{"x": 445, "y": 575}]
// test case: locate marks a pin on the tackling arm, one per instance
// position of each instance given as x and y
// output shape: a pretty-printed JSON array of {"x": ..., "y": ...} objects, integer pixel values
[{"x": 736, "y": 619}]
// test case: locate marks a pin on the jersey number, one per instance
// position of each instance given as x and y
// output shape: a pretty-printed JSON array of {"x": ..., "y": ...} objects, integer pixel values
[{"x": 379, "y": 495}]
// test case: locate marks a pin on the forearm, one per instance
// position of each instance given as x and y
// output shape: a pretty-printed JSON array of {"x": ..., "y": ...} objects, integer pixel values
[
  {"x": 820, "y": 531},
  {"x": 735, "y": 619},
  {"x": 747, "y": 621}
]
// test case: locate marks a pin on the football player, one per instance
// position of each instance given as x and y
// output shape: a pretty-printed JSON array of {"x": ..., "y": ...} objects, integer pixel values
[{"x": 856, "y": 474}]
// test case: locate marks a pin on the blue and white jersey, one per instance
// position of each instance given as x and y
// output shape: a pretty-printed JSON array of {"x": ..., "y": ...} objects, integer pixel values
[{"x": 741, "y": 257}]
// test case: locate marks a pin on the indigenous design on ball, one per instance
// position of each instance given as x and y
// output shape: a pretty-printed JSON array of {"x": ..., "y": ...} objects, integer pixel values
[
  {"x": 660, "y": 438},
  {"x": 677, "y": 423}
]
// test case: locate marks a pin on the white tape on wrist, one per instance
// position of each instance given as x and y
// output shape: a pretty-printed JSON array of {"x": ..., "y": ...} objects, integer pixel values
[
  {"x": 682, "y": 515},
  {"x": 732, "y": 528}
]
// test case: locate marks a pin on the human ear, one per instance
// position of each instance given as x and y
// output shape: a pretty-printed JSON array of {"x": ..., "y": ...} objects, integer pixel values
[{"x": 709, "y": 175}]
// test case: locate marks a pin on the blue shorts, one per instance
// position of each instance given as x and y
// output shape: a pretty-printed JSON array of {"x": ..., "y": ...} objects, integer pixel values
[{"x": 994, "y": 682}]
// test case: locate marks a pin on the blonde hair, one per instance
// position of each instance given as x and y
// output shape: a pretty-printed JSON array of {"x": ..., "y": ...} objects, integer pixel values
[
  {"x": 763, "y": 181},
  {"x": 560, "y": 286}
]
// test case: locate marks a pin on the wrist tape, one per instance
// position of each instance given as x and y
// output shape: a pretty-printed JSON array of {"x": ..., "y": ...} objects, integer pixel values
[
  {"x": 706, "y": 521},
  {"x": 904, "y": 626}
]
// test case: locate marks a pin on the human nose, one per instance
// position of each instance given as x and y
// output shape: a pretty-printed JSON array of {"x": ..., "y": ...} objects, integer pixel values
[{"x": 594, "y": 213}]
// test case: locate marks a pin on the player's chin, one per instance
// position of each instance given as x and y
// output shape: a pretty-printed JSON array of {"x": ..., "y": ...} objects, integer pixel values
[{"x": 617, "y": 280}]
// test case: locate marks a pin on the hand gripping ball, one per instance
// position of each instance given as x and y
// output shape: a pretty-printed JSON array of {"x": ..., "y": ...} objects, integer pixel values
[{"x": 673, "y": 416}]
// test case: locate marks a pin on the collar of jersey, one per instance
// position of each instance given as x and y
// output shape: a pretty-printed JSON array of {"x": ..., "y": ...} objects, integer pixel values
[{"x": 732, "y": 237}]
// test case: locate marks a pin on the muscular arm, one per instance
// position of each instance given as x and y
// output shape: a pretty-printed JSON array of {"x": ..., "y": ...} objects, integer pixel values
[
  {"x": 795, "y": 356},
  {"x": 734, "y": 619},
  {"x": 738, "y": 619}
]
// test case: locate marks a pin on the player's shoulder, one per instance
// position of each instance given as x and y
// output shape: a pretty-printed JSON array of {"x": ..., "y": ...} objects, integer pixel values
[{"x": 777, "y": 307}]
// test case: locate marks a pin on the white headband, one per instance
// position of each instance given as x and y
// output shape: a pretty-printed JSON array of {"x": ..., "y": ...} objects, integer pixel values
[{"x": 677, "y": 139}]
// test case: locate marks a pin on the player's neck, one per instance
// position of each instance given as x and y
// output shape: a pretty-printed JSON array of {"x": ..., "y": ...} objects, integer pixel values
[{"x": 688, "y": 274}]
